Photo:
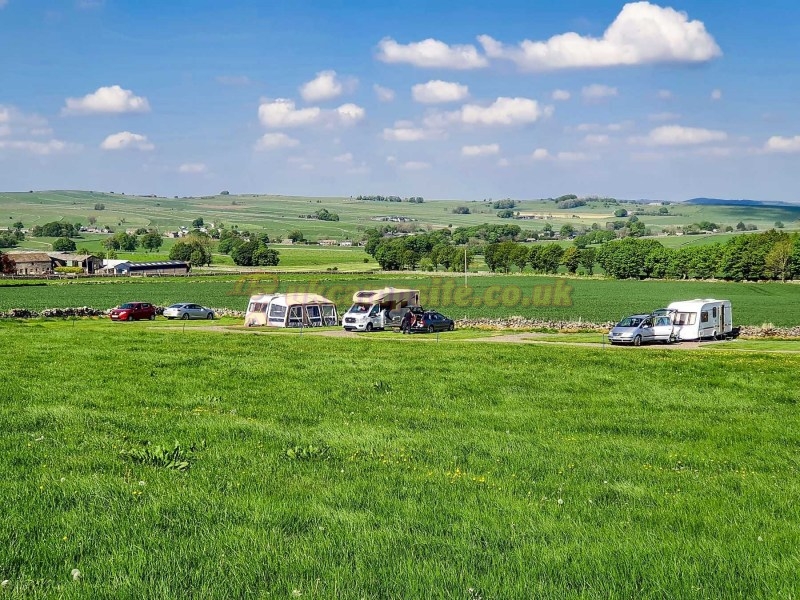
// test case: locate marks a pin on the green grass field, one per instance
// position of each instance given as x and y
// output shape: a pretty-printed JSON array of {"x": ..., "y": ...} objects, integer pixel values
[
  {"x": 595, "y": 300},
  {"x": 278, "y": 215},
  {"x": 356, "y": 468}
]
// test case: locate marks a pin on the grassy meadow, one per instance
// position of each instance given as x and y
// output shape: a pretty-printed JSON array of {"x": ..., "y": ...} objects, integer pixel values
[
  {"x": 597, "y": 300},
  {"x": 278, "y": 215},
  {"x": 356, "y": 468}
]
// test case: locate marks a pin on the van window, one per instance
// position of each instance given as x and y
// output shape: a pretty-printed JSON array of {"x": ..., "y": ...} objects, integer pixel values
[
  {"x": 704, "y": 316},
  {"x": 714, "y": 312},
  {"x": 685, "y": 318}
]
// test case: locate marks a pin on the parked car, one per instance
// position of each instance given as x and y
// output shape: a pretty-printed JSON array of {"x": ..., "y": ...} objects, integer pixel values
[
  {"x": 638, "y": 329},
  {"x": 431, "y": 321},
  {"x": 133, "y": 311},
  {"x": 186, "y": 310}
]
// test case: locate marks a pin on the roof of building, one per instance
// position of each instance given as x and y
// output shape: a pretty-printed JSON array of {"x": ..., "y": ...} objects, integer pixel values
[
  {"x": 161, "y": 264},
  {"x": 70, "y": 256},
  {"x": 22, "y": 256}
]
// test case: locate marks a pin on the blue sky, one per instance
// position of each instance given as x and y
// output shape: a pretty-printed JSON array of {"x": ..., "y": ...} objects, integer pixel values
[{"x": 464, "y": 100}]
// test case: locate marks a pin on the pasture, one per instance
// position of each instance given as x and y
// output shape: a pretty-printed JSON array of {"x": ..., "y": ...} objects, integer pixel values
[
  {"x": 156, "y": 461},
  {"x": 279, "y": 215},
  {"x": 596, "y": 300}
]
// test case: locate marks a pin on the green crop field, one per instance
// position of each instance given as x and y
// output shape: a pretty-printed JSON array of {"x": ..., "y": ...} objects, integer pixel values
[
  {"x": 597, "y": 300},
  {"x": 234, "y": 465}
]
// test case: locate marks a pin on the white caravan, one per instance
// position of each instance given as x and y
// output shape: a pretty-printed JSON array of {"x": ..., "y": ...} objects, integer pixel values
[
  {"x": 378, "y": 309},
  {"x": 701, "y": 318},
  {"x": 290, "y": 310}
]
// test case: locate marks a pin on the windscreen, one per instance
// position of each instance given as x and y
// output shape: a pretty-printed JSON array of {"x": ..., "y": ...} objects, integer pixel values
[{"x": 629, "y": 322}]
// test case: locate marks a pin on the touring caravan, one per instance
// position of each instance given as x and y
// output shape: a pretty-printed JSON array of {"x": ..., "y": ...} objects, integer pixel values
[
  {"x": 378, "y": 309},
  {"x": 702, "y": 318},
  {"x": 290, "y": 310}
]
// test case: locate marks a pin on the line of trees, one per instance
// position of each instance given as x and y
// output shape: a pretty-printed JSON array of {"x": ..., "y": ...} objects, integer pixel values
[
  {"x": 748, "y": 257},
  {"x": 411, "y": 199}
]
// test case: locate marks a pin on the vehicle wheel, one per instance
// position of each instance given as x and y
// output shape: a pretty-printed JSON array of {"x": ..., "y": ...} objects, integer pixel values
[
  {"x": 210, "y": 316},
  {"x": 637, "y": 341},
  {"x": 130, "y": 318},
  {"x": 430, "y": 329},
  {"x": 452, "y": 327},
  {"x": 369, "y": 326},
  {"x": 169, "y": 318},
  {"x": 152, "y": 317},
  {"x": 185, "y": 316}
]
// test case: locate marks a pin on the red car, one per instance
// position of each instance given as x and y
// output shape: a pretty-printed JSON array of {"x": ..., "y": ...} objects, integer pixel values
[{"x": 133, "y": 311}]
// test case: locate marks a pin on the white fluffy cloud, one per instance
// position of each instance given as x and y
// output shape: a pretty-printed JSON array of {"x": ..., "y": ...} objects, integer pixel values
[
  {"x": 384, "y": 94},
  {"x": 192, "y": 168},
  {"x": 272, "y": 141},
  {"x": 677, "y": 135},
  {"x": 325, "y": 86},
  {"x": 598, "y": 91},
  {"x": 561, "y": 95},
  {"x": 3, "y": 3},
  {"x": 480, "y": 150},
  {"x": 125, "y": 140},
  {"x": 107, "y": 100},
  {"x": 438, "y": 91},
  {"x": 348, "y": 114},
  {"x": 540, "y": 154},
  {"x": 431, "y": 53},
  {"x": 407, "y": 132},
  {"x": 503, "y": 111},
  {"x": 40, "y": 148},
  {"x": 778, "y": 143},
  {"x": 716, "y": 95},
  {"x": 642, "y": 33},
  {"x": 282, "y": 113}
]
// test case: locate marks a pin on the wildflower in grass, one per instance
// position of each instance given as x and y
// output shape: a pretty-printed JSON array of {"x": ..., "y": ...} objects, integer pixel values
[
  {"x": 560, "y": 501},
  {"x": 5, "y": 583},
  {"x": 296, "y": 593},
  {"x": 76, "y": 574}
]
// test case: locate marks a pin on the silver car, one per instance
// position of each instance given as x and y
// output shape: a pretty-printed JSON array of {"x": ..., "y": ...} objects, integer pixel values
[
  {"x": 638, "y": 329},
  {"x": 186, "y": 310}
]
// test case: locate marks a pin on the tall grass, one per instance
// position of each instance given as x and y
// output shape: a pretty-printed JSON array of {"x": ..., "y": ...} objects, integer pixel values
[{"x": 358, "y": 468}]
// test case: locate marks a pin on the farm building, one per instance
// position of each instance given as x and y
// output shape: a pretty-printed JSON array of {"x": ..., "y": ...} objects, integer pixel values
[
  {"x": 146, "y": 269},
  {"x": 88, "y": 262},
  {"x": 31, "y": 263},
  {"x": 327, "y": 242},
  {"x": 290, "y": 310}
]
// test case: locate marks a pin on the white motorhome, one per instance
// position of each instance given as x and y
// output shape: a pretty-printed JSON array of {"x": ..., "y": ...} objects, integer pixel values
[
  {"x": 701, "y": 318},
  {"x": 290, "y": 310},
  {"x": 378, "y": 309}
]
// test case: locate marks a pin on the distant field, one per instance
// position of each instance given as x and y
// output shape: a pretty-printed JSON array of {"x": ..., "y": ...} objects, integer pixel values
[
  {"x": 356, "y": 468},
  {"x": 591, "y": 299},
  {"x": 278, "y": 215}
]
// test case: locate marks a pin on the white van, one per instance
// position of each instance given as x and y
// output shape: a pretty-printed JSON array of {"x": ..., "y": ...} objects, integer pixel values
[
  {"x": 702, "y": 318},
  {"x": 378, "y": 309}
]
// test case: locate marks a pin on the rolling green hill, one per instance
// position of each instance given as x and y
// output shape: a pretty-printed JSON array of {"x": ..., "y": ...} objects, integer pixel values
[{"x": 278, "y": 215}]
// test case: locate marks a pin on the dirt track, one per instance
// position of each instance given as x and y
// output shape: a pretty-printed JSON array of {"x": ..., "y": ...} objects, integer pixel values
[{"x": 499, "y": 338}]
